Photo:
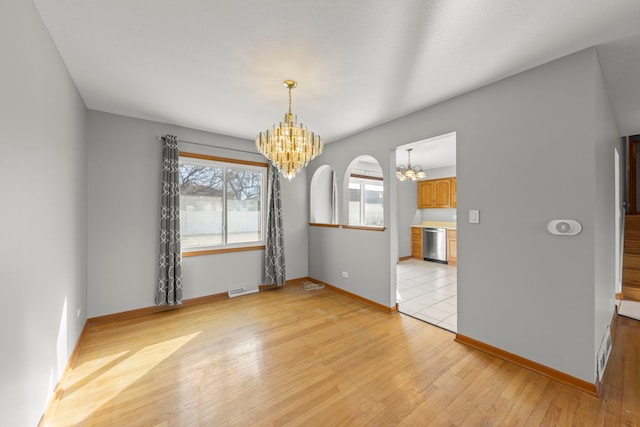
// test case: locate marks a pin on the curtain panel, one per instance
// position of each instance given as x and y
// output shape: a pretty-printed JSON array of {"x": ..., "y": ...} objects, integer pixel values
[
  {"x": 274, "y": 269},
  {"x": 169, "y": 289}
]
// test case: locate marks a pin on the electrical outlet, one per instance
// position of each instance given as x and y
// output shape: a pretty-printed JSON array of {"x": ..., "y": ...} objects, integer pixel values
[
  {"x": 78, "y": 311},
  {"x": 345, "y": 274}
]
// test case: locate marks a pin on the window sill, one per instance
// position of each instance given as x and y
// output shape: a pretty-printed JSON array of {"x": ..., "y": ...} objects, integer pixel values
[
  {"x": 222, "y": 251},
  {"x": 350, "y": 227},
  {"x": 363, "y": 227}
]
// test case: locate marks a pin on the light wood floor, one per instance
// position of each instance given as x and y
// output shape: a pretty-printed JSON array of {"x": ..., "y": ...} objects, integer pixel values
[{"x": 317, "y": 358}]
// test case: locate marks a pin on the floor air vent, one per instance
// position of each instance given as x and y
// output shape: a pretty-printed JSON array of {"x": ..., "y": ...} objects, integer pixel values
[{"x": 252, "y": 289}]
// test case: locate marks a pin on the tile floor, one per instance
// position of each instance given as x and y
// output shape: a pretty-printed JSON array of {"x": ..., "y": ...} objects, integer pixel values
[{"x": 428, "y": 291}]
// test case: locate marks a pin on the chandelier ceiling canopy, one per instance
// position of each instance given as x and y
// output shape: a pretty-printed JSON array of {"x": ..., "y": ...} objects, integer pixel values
[
  {"x": 410, "y": 172},
  {"x": 289, "y": 146}
]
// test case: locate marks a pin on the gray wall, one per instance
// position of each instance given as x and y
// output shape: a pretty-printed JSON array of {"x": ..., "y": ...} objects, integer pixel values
[
  {"x": 440, "y": 215},
  {"x": 43, "y": 244},
  {"x": 124, "y": 163},
  {"x": 527, "y": 151},
  {"x": 335, "y": 251}
]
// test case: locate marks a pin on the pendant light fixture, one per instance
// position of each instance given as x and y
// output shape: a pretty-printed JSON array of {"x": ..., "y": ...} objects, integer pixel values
[
  {"x": 410, "y": 172},
  {"x": 289, "y": 146}
]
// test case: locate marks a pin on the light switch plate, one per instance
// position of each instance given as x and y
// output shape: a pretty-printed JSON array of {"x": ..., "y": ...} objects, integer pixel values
[{"x": 474, "y": 217}]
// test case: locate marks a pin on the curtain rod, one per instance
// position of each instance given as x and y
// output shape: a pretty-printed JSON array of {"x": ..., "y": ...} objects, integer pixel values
[{"x": 213, "y": 146}]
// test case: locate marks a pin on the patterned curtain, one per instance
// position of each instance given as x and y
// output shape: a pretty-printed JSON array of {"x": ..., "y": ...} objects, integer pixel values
[
  {"x": 274, "y": 272},
  {"x": 169, "y": 289}
]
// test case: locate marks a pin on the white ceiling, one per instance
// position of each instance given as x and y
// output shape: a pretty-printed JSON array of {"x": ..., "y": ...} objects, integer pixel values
[
  {"x": 218, "y": 65},
  {"x": 429, "y": 153}
]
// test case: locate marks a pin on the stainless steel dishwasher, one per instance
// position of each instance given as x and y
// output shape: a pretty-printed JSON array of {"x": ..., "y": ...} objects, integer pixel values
[{"x": 434, "y": 244}]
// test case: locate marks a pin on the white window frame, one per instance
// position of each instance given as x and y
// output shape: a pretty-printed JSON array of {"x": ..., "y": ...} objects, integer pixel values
[
  {"x": 226, "y": 163},
  {"x": 361, "y": 181}
]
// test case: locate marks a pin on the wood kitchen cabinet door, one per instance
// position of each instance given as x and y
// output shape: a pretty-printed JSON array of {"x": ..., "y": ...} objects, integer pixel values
[
  {"x": 454, "y": 191},
  {"x": 442, "y": 193},
  {"x": 426, "y": 194},
  {"x": 452, "y": 247},
  {"x": 416, "y": 242}
]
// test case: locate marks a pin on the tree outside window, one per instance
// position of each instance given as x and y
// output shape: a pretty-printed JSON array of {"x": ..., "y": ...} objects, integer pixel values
[{"x": 221, "y": 203}]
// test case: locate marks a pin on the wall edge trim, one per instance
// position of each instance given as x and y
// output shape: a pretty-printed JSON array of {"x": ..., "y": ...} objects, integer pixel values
[
  {"x": 553, "y": 374},
  {"x": 114, "y": 317},
  {"x": 381, "y": 307}
]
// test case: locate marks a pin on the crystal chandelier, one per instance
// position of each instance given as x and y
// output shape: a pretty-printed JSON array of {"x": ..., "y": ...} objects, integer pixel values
[
  {"x": 289, "y": 146},
  {"x": 409, "y": 172}
]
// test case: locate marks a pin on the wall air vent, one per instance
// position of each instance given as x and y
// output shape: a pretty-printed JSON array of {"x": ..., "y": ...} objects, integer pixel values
[
  {"x": 251, "y": 289},
  {"x": 604, "y": 352}
]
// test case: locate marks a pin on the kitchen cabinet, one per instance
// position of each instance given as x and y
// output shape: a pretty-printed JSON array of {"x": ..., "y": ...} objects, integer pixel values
[
  {"x": 416, "y": 242},
  {"x": 443, "y": 193},
  {"x": 452, "y": 247},
  {"x": 436, "y": 193},
  {"x": 454, "y": 191},
  {"x": 426, "y": 194}
]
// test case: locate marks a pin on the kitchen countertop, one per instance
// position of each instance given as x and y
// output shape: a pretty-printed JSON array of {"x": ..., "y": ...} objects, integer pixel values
[{"x": 436, "y": 224}]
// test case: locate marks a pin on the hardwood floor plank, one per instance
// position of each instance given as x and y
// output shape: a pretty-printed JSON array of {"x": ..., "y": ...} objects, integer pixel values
[
  {"x": 630, "y": 408},
  {"x": 528, "y": 395},
  {"x": 295, "y": 357},
  {"x": 492, "y": 403},
  {"x": 562, "y": 409},
  {"x": 590, "y": 412}
]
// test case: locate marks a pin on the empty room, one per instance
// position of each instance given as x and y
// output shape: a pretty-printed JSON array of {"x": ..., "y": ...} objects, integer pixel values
[{"x": 318, "y": 213}]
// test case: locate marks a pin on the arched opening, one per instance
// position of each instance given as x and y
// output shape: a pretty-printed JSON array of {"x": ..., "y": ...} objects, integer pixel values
[{"x": 323, "y": 196}]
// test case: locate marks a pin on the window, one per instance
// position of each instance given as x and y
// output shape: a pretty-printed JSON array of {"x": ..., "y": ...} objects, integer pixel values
[
  {"x": 222, "y": 203},
  {"x": 366, "y": 201}
]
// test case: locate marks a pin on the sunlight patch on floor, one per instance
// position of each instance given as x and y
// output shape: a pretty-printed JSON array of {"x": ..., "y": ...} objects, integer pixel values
[
  {"x": 113, "y": 381},
  {"x": 91, "y": 367}
]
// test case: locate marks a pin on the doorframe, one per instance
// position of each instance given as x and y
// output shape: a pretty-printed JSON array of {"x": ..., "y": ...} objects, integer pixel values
[
  {"x": 619, "y": 223},
  {"x": 632, "y": 175}
]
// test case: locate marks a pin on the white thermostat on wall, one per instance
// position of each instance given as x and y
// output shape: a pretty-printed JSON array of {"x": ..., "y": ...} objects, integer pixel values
[{"x": 564, "y": 227}]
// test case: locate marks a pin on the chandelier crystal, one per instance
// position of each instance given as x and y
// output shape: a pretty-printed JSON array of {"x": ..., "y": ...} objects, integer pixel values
[
  {"x": 410, "y": 172},
  {"x": 289, "y": 146}
]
